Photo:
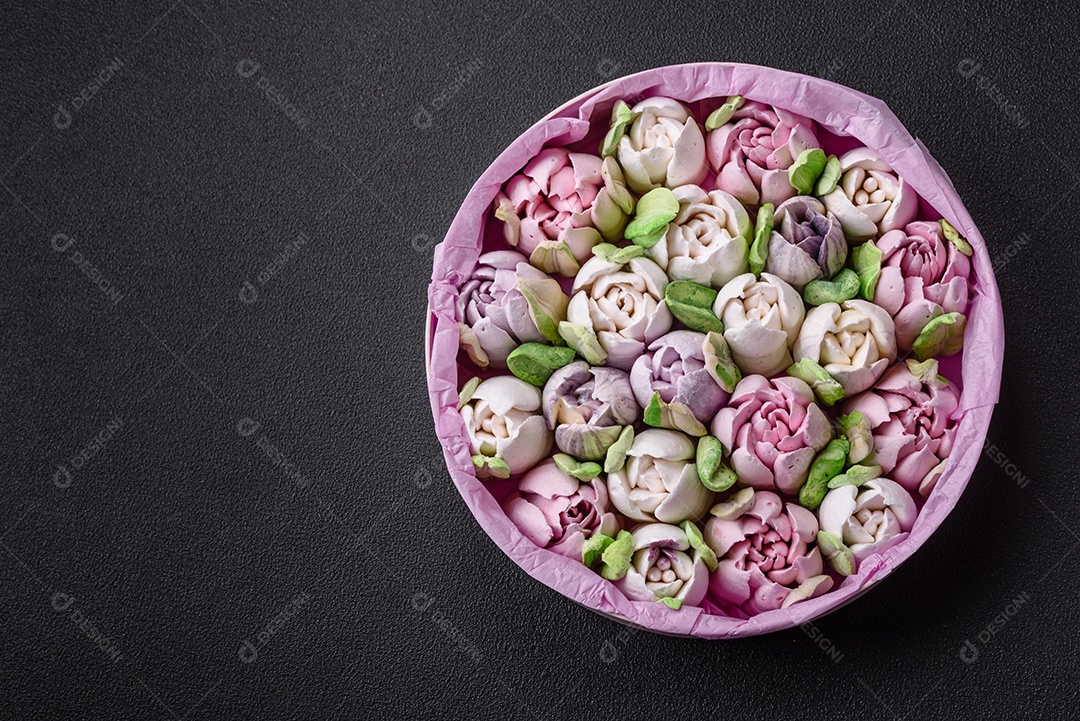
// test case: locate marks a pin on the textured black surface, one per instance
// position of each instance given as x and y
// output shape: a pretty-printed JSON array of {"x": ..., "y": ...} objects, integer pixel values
[{"x": 377, "y": 594}]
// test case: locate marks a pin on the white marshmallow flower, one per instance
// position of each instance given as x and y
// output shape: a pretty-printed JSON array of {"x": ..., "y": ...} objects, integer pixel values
[
  {"x": 665, "y": 567},
  {"x": 854, "y": 342},
  {"x": 659, "y": 481},
  {"x": 507, "y": 432},
  {"x": 616, "y": 310},
  {"x": 870, "y": 198},
  {"x": 663, "y": 147},
  {"x": 761, "y": 319},
  {"x": 868, "y": 518},
  {"x": 708, "y": 241}
]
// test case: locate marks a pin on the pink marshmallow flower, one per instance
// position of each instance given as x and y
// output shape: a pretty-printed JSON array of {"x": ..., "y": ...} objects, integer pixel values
[
  {"x": 556, "y": 511},
  {"x": 923, "y": 276},
  {"x": 767, "y": 552},
  {"x": 753, "y": 151},
  {"x": 560, "y": 206},
  {"x": 910, "y": 412},
  {"x": 773, "y": 430}
]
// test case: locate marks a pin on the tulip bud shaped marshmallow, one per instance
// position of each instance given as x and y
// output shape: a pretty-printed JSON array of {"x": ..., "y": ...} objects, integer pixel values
[
  {"x": 923, "y": 276},
  {"x": 507, "y": 302},
  {"x": 853, "y": 341},
  {"x": 664, "y": 566},
  {"x": 868, "y": 519},
  {"x": 507, "y": 433},
  {"x": 707, "y": 242},
  {"x": 761, "y": 321},
  {"x": 659, "y": 481},
  {"x": 773, "y": 430},
  {"x": 616, "y": 310},
  {"x": 674, "y": 367},
  {"x": 910, "y": 413},
  {"x": 663, "y": 147},
  {"x": 588, "y": 407},
  {"x": 807, "y": 242},
  {"x": 870, "y": 199}
]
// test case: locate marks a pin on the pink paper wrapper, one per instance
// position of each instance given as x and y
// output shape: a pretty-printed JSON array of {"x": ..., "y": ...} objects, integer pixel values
[{"x": 836, "y": 108}]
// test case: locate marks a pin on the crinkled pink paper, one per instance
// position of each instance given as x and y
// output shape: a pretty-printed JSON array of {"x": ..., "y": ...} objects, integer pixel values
[{"x": 835, "y": 107}]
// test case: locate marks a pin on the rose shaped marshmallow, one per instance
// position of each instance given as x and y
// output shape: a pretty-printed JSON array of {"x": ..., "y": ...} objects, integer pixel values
[
  {"x": 869, "y": 518},
  {"x": 854, "y": 342},
  {"x": 622, "y": 307},
  {"x": 754, "y": 149},
  {"x": 707, "y": 242},
  {"x": 556, "y": 511},
  {"x": 772, "y": 429},
  {"x": 922, "y": 276},
  {"x": 807, "y": 242},
  {"x": 870, "y": 198},
  {"x": 674, "y": 367},
  {"x": 664, "y": 147},
  {"x": 761, "y": 321},
  {"x": 659, "y": 481},
  {"x": 547, "y": 209},
  {"x": 494, "y": 313},
  {"x": 910, "y": 412},
  {"x": 664, "y": 566},
  {"x": 507, "y": 434},
  {"x": 768, "y": 557},
  {"x": 587, "y": 408}
]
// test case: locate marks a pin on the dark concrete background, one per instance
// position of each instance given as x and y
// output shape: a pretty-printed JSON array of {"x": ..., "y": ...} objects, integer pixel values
[{"x": 218, "y": 225}]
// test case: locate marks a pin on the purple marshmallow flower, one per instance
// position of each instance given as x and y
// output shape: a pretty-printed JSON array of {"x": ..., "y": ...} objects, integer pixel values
[{"x": 674, "y": 367}]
